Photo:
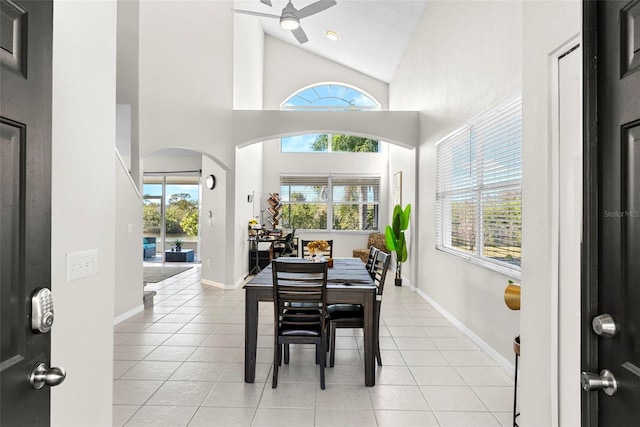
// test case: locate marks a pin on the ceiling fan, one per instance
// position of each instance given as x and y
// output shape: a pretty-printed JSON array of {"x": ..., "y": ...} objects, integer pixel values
[{"x": 290, "y": 17}]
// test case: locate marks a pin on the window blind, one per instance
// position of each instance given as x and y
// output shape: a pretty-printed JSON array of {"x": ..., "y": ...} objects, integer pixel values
[{"x": 478, "y": 186}]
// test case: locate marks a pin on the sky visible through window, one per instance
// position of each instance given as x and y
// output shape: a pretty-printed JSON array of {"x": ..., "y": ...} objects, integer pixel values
[{"x": 325, "y": 97}]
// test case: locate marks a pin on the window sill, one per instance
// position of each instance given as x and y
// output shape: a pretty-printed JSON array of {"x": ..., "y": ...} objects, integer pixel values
[{"x": 513, "y": 273}]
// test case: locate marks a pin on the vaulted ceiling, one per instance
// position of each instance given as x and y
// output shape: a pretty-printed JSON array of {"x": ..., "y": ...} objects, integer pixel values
[{"x": 373, "y": 33}]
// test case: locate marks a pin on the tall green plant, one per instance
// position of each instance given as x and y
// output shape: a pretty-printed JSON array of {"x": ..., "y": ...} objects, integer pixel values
[{"x": 396, "y": 241}]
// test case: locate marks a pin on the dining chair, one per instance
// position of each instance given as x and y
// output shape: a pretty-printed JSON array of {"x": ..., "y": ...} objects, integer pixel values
[
  {"x": 304, "y": 252},
  {"x": 352, "y": 315},
  {"x": 371, "y": 259},
  {"x": 305, "y": 285},
  {"x": 282, "y": 248}
]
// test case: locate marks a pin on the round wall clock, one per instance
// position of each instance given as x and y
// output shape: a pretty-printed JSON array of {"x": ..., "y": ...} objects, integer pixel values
[{"x": 211, "y": 182}]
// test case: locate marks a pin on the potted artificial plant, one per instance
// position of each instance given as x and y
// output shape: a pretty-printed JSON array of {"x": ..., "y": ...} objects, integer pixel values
[
  {"x": 396, "y": 242},
  {"x": 178, "y": 244}
]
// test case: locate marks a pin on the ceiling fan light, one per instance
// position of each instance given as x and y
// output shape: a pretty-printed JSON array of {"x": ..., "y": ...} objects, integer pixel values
[
  {"x": 332, "y": 35},
  {"x": 289, "y": 22}
]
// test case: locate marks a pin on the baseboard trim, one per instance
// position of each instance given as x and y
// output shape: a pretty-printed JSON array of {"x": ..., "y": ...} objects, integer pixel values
[
  {"x": 217, "y": 284},
  {"x": 502, "y": 362},
  {"x": 124, "y": 316}
]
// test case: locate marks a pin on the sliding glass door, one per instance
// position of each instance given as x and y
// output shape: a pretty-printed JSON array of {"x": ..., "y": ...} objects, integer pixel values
[{"x": 171, "y": 212}]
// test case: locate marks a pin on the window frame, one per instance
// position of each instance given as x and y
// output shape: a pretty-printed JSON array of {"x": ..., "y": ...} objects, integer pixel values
[
  {"x": 343, "y": 105},
  {"x": 329, "y": 202},
  {"x": 449, "y": 187}
]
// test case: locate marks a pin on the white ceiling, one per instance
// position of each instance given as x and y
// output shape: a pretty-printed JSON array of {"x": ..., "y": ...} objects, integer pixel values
[{"x": 373, "y": 33}]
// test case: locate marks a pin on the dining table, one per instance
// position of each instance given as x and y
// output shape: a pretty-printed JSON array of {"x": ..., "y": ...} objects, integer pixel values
[{"x": 348, "y": 282}]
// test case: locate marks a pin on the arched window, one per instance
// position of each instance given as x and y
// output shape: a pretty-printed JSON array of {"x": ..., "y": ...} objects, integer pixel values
[{"x": 329, "y": 97}]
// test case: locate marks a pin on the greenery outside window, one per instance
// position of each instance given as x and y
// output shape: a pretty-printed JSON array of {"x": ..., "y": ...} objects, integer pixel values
[
  {"x": 478, "y": 195},
  {"x": 330, "y": 202},
  {"x": 329, "y": 97}
]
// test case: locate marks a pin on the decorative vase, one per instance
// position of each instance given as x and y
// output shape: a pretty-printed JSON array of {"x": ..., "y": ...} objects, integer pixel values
[{"x": 316, "y": 257}]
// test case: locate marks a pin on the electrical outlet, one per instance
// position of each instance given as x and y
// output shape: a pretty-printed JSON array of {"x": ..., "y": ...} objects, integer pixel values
[
  {"x": 208, "y": 262},
  {"x": 82, "y": 264}
]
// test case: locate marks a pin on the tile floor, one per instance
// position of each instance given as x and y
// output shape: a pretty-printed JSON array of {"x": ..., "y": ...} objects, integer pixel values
[{"x": 180, "y": 363}]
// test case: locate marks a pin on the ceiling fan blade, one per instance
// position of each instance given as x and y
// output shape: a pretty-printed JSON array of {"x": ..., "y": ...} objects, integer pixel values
[
  {"x": 300, "y": 35},
  {"x": 251, "y": 12},
  {"x": 267, "y": 2},
  {"x": 314, "y": 8}
]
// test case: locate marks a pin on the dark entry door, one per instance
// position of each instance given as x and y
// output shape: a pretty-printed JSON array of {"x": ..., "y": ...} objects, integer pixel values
[
  {"x": 616, "y": 221},
  {"x": 25, "y": 204}
]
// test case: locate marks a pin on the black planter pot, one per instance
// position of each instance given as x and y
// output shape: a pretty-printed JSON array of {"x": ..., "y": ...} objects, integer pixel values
[{"x": 398, "y": 282}]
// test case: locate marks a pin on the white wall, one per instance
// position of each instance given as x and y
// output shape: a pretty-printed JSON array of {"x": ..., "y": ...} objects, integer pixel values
[
  {"x": 547, "y": 26},
  {"x": 83, "y": 208},
  {"x": 186, "y": 77},
  {"x": 464, "y": 57},
  {"x": 128, "y": 288},
  {"x": 215, "y": 254},
  {"x": 289, "y": 69}
]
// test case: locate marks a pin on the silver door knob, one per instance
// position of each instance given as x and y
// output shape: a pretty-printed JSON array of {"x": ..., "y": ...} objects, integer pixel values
[
  {"x": 604, "y": 325},
  {"x": 594, "y": 382},
  {"x": 42, "y": 375}
]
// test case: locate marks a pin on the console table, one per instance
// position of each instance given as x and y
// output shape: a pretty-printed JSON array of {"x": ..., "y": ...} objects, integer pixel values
[{"x": 185, "y": 255}]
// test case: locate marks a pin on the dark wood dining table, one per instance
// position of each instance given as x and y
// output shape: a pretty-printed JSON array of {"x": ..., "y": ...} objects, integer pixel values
[{"x": 347, "y": 282}]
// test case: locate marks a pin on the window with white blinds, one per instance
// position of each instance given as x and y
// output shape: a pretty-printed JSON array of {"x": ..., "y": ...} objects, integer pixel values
[
  {"x": 478, "y": 195},
  {"x": 330, "y": 202}
]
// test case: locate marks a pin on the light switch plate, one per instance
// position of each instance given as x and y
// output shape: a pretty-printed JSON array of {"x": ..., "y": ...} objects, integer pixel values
[{"x": 82, "y": 264}]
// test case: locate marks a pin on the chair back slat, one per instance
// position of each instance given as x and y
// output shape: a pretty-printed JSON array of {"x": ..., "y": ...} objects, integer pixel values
[
  {"x": 371, "y": 259},
  {"x": 381, "y": 265}
]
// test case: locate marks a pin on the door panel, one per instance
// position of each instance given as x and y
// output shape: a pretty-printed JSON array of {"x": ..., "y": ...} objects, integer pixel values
[
  {"x": 614, "y": 70},
  {"x": 25, "y": 203}
]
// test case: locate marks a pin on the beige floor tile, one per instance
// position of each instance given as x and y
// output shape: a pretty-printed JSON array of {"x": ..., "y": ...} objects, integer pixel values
[
  {"x": 290, "y": 395},
  {"x": 147, "y": 338},
  {"x": 497, "y": 399},
  {"x": 190, "y": 340},
  {"x": 223, "y": 341},
  {"x": 406, "y": 419},
  {"x": 234, "y": 395},
  {"x": 234, "y": 372},
  {"x": 132, "y": 352},
  {"x": 212, "y": 354},
  {"x": 454, "y": 344},
  {"x": 398, "y": 375},
  {"x": 176, "y": 318},
  {"x": 409, "y": 343},
  {"x": 181, "y": 393},
  {"x": 436, "y": 375},
  {"x": 273, "y": 417},
  {"x": 122, "y": 366},
  {"x": 122, "y": 413},
  {"x": 447, "y": 398},
  {"x": 484, "y": 376},
  {"x": 398, "y": 397},
  {"x": 133, "y": 392},
  {"x": 467, "y": 358},
  {"x": 198, "y": 328},
  {"x": 345, "y": 418},
  {"x": 223, "y": 417},
  {"x": 198, "y": 371},
  {"x": 167, "y": 353},
  {"x": 162, "y": 416},
  {"x": 151, "y": 370},
  {"x": 406, "y": 331},
  {"x": 466, "y": 419},
  {"x": 343, "y": 396},
  {"x": 424, "y": 358}
]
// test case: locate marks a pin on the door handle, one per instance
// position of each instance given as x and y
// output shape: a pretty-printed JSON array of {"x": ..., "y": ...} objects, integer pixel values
[
  {"x": 594, "y": 382},
  {"x": 42, "y": 375}
]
